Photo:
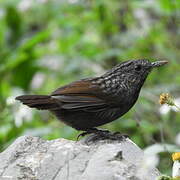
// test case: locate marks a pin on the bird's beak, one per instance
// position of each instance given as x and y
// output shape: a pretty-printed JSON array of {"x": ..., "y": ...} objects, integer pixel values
[{"x": 158, "y": 63}]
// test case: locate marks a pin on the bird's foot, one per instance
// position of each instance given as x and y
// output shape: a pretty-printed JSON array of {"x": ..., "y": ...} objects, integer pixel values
[
  {"x": 98, "y": 134},
  {"x": 92, "y": 131},
  {"x": 107, "y": 135}
]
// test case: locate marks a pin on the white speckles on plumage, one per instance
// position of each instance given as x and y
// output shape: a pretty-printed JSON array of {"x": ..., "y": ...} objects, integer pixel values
[
  {"x": 99, "y": 81},
  {"x": 102, "y": 85},
  {"x": 108, "y": 82},
  {"x": 114, "y": 80},
  {"x": 106, "y": 78}
]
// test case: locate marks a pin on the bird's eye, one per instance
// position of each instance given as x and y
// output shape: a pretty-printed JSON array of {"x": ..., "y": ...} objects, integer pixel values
[{"x": 138, "y": 67}]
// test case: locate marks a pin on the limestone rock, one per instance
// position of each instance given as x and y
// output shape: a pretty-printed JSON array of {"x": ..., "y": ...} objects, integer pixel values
[{"x": 32, "y": 158}]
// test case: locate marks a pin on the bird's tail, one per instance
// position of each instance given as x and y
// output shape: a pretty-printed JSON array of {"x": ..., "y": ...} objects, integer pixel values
[{"x": 41, "y": 102}]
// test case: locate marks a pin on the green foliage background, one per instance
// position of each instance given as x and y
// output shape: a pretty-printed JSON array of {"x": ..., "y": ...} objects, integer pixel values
[{"x": 47, "y": 44}]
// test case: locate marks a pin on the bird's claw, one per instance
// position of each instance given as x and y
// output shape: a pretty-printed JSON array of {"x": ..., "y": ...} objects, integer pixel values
[
  {"x": 98, "y": 134},
  {"x": 91, "y": 131}
]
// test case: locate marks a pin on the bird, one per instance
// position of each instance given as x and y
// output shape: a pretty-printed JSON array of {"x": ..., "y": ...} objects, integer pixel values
[{"x": 91, "y": 102}]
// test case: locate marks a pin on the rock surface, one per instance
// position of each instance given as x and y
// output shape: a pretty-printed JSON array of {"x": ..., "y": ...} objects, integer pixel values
[{"x": 31, "y": 158}]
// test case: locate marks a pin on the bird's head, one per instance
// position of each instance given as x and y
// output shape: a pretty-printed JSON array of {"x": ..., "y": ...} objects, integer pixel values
[
  {"x": 133, "y": 73},
  {"x": 136, "y": 71}
]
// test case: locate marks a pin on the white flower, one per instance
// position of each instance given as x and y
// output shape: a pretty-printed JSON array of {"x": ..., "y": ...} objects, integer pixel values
[
  {"x": 164, "y": 109},
  {"x": 24, "y": 5},
  {"x": 20, "y": 112},
  {"x": 23, "y": 113}
]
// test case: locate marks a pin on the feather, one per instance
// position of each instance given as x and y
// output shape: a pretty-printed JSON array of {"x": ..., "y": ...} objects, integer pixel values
[
  {"x": 77, "y": 98},
  {"x": 77, "y": 88},
  {"x": 79, "y": 95},
  {"x": 39, "y": 101}
]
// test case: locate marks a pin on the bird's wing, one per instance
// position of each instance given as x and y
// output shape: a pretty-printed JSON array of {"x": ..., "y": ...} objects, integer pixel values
[
  {"x": 80, "y": 95},
  {"x": 78, "y": 87}
]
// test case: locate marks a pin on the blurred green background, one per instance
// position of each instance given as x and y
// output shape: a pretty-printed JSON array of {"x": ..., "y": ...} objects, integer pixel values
[{"x": 46, "y": 44}]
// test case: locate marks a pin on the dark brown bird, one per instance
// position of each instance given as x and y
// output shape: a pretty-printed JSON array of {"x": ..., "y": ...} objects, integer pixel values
[{"x": 91, "y": 102}]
